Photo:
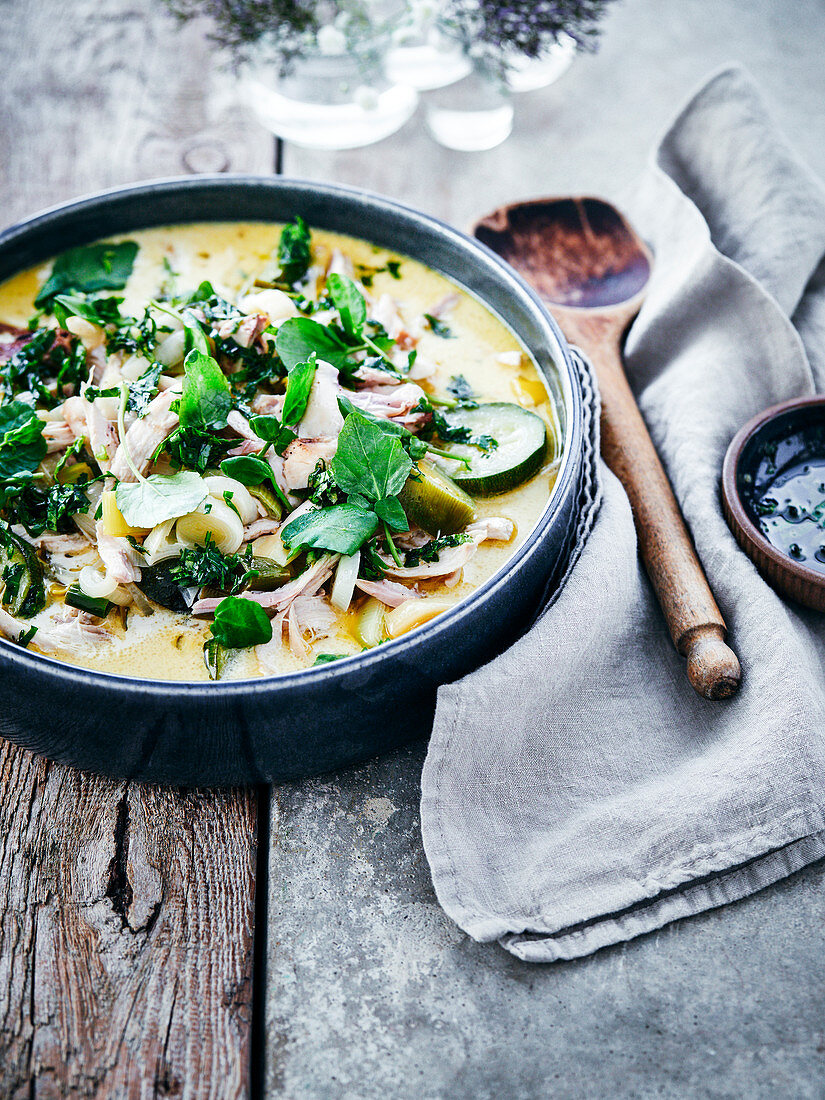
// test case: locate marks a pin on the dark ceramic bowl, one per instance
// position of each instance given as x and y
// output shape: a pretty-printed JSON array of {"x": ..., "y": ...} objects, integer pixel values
[
  {"x": 770, "y": 442},
  {"x": 318, "y": 719}
]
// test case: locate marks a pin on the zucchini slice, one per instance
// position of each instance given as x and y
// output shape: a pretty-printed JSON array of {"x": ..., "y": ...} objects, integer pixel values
[
  {"x": 434, "y": 501},
  {"x": 21, "y": 577},
  {"x": 269, "y": 575},
  {"x": 521, "y": 444}
]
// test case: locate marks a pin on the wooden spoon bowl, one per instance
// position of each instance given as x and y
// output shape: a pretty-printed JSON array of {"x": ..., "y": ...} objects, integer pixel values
[
  {"x": 575, "y": 252},
  {"x": 591, "y": 269}
]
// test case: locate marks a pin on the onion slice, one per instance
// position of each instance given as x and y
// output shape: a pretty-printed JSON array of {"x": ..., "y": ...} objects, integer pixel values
[{"x": 345, "y": 577}]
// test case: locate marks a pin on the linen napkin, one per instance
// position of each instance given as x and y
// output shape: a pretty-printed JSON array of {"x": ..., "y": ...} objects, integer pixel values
[{"x": 577, "y": 792}]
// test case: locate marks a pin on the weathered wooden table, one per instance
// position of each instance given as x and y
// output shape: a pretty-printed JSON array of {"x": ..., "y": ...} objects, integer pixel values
[{"x": 165, "y": 943}]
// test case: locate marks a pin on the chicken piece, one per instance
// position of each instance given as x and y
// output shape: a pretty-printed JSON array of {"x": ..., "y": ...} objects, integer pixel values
[
  {"x": 244, "y": 332},
  {"x": 391, "y": 402},
  {"x": 241, "y": 426},
  {"x": 267, "y": 525},
  {"x": 72, "y": 636},
  {"x": 102, "y": 436},
  {"x": 444, "y": 305},
  {"x": 339, "y": 264},
  {"x": 302, "y": 456},
  {"x": 58, "y": 435},
  {"x": 498, "y": 528},
  {"x": 145, "y": 436},
  {"x": 307, "y": 584},
  {"x": 449, "y": 561},
  {"x": 117, "y": 556},
  {"x": 386, "y": 313},
  {"x": 388, "y": 592},
  {"x": 268, "y": 404}
]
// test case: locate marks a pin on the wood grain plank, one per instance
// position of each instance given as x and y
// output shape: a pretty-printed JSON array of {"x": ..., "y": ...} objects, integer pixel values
[
  {"x": 126, "y": 913},
  {"x": 97, "y": 93},
  {"x": 126, "y": 922}
]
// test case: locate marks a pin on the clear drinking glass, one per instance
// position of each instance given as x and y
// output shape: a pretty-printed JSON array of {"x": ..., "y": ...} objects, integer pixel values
[{"x": 473, "y": 114}]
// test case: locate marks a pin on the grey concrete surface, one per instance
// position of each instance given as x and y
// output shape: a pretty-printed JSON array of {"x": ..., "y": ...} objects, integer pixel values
[{"x": 372, "y": 991}]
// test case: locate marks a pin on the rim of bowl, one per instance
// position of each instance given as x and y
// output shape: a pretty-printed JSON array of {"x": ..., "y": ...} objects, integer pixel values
[
  {"x": 355, "y": 663},
  {"x": 748, "y": 529}
]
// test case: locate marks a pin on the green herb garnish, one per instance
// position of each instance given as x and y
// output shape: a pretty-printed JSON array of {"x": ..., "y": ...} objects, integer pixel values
[{"x": 89, "y": 268}]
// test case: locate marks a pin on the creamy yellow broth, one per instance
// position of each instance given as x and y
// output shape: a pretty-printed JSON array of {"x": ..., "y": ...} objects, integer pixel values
[{"x": 167, "y": 646}]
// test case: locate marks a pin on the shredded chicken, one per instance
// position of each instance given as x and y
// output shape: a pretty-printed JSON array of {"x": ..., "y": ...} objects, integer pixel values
[
  {"x": 444, "y": 305},
  {"x": 449, "y": 560},
  {"x": 391, "y": 402},
  {"x": 86, "y": 421},
  {"x": 268, "y": 404},
  {"x": 246, "y": 332},
  {"x": 388, "y": 592},
  {"x": 494, "y": 527},
  {"x": 302, "y": 456},
  {"x": 117, "y": 555},
  {"x": 265, "y": 526},
  {"x": 58, "y": 435},
  {"x": 307, "y": 584},
  {"x": 72, "y": 636},
  {"x": 145, "y": 436},
  {"x": 241, "y": 426},
  {"x": 339, "y": 264},
  {"x": 374, "y": 376}
]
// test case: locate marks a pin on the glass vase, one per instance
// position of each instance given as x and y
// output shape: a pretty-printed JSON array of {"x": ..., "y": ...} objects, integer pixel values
[
  {"x": 425, "y": 59},
  {"x": 339, "y": 101}
]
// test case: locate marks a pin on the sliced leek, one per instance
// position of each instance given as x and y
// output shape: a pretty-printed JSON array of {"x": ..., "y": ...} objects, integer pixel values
[
  {"x": 370, "y": 624},
  {"x": 413, "y": 613},
  {"x": 235, "y": 494},
  {"x": 213, "y": 522},
  {"x": 346, "y": 574}
]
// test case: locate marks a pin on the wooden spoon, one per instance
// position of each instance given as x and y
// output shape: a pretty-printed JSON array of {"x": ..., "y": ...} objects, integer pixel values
[{"x": 591, "y": 269}]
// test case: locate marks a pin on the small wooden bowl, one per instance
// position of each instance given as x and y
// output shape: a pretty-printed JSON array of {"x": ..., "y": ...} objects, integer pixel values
[{"x": 774, "y": 425}]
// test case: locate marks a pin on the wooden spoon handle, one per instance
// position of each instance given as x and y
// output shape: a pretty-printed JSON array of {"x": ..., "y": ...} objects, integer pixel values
[{"x": 667, "y": 550}]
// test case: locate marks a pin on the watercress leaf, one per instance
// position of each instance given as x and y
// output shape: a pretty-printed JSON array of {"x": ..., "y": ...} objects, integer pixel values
[
  {"x": 240, "y": 624},
  {"x": 100, "y": 311},
  {"x": 369, "y": 460},
  {"x": 389, "y": 427},
  {"x": 390, "y": 510},
  {"x": 89, "y": 268},
  {"x": 271, "y": 430},
  {"x": 160, "y": 497},
  {"x": 206, "y": 400},
  {"x": 343, "y": 529},
  {"x": 248, "y": 469},
  {"x": 299, "y": 337},
  {"x": 294, "y": 250},
  {"x": 298, "y": 386},
  {"x": 204, "y": 292},
  {"x": 349, "y": 301},
  {"x": 195, "y": 337},
  {"x": 22, "y": 445}
]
